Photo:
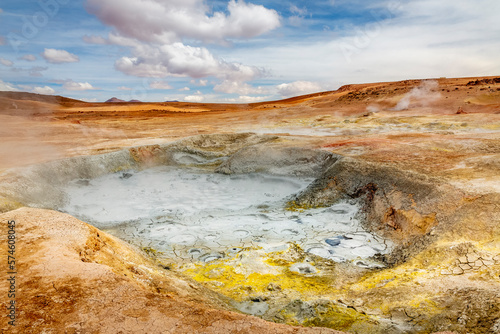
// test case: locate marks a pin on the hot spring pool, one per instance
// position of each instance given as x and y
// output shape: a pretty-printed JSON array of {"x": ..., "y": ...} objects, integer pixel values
[{"x": 193, "y": 215}]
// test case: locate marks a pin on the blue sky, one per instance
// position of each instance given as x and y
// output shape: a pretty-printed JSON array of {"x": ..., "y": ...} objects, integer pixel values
[{"x": 238, "y": 51}]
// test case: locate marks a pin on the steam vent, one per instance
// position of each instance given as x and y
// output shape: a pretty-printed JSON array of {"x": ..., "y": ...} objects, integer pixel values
[{"x": 374, "y": 208}]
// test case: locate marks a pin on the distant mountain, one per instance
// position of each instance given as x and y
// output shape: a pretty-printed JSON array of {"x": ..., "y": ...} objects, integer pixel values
[
  {"x": 114, "y": 99},
  {"x": 171, "y": 101},
  {"x": 135, "y": 101}
]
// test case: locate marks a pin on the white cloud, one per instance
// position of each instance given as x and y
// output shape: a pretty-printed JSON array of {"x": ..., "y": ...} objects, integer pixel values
[
  {"x": 94, "y": 99},
  {"x": 238, "y": 87},
  {"x": 182, "y": 60},
  {"x": 28, "y": 57},
  {"x": 46, "y": 90},
  {"x": 171, "y": 21},
  {"x": 6, "y": 62},
  {"x": 194, "y": 98},
  {"x": 298, "y": 88},
  {"x": 155, "y": 31},
  {"x": 185, "y": 89},
  {"x": 6, "y": 86},
  {"x": 3, "y": 41},
  {"x": 160, "y": 85},
  {"x": 124, "y": 88},
  {"x": 54, "y": 56},
  {"x": 247, "y": 99},
  {"x": 77, "y": 86}
]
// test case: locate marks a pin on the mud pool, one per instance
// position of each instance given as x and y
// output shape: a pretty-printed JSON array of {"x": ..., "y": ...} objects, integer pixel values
[{"x": 192, "y": 215}]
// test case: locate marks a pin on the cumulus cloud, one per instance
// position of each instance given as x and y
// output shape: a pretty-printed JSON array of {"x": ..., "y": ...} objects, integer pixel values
[
  {"x": 238, "y": 87},
  {"x": 156, "y": 32},
  {"x": 54, "y": 56},
  {"x": 182, "y": 60},
  {"x": 6, "y": 86},
  {"x": 298, "y": 88},
  {"x": 6, "y": 62},
  {"x": 46, "y": 90},
  {"x": 77, "y": 86},
  {"x": 160, "y": 85},
  {"x": 28, "y": 57},
  {"x": 194, "y": 98},
  {"x": 185, "y": 89},
  {"x": 165, "y": 22}
]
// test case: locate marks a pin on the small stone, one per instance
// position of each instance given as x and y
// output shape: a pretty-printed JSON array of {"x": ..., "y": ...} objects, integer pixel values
[
  {"x": 465, "y": 266},
  {"x": 463, "y": 259},
  {"x": 458, "y": 271},
  {"x": 273, "y": 287},
  {"x": 497, "y": 258},
  {"x": 446, "y": 272},
  {"x": 472, "y": 257},
  {"x": 478, "y": 263},
  {"x": 333, "y": 241}
]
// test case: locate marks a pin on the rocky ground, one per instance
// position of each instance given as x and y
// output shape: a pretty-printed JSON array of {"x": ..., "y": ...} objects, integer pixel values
[{"x": 421, "y": 158}]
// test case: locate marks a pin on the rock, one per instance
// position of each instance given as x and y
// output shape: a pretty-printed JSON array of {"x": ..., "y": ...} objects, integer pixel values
[
  {"x": 333, "y": 241},
  {"x": 457, "y": 271},
  {"x": 463, "y": 259},
  {"x": 273, "y": 287},
  {"x": 460, "y": 111}
]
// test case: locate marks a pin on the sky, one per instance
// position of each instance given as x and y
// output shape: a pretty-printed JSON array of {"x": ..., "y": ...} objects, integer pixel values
[{"x": 238, "y": 51}]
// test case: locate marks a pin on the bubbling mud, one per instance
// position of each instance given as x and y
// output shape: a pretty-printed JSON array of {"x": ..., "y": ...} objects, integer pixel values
[{"x": 191, "y": 215}]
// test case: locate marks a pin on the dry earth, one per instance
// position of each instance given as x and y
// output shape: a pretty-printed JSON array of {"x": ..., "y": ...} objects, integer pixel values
[{"x": 423, "y": 157}]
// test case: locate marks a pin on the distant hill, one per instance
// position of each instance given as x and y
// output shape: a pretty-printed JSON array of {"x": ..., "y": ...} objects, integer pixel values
[
  {"x": 114, "y": 99},
  {"x": 24, "y": 96},
  {"x": 135, "y": 101}
]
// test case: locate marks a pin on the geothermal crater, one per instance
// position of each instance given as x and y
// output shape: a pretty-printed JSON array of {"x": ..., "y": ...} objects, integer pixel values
[{"x": 194, "y": 215}]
